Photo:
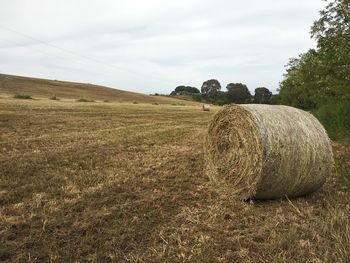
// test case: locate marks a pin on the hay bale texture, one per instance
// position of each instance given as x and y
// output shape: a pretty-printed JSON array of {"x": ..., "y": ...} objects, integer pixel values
[{"x": 267, "y": 151}]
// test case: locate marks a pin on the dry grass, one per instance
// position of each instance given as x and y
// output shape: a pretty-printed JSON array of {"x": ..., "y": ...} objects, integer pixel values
[
  {"x": 44, "y": 88},
  {"x": 118, "y": 182}
]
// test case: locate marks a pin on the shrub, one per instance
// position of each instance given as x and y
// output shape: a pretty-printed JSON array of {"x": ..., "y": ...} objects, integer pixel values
[
  {"x": 135, "y": 102},
  {"x": 22, "y": 96},
  {"x": 54, "y": 98},
  {"x": 197, "y": 97},
  {"x": 335, "y": 118}
]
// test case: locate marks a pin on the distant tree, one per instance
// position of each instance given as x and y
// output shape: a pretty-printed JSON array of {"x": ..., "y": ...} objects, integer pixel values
[
  {"x": 184, "y": 90},
  {"x": 188, "y": 89},
  {"x": 262, "y": 95},
  {"x": 238, "y": 93},
  {"x": 210, "y": 88}
]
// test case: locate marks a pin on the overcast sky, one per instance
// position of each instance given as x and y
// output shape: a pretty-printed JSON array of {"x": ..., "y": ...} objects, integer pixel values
[{"x": 155, "y": 45}]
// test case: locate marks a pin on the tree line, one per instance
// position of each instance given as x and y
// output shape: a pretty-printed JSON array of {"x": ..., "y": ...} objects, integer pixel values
[
  {"x": 319, "y": 79},
  {"x": 235, "y": 93}
]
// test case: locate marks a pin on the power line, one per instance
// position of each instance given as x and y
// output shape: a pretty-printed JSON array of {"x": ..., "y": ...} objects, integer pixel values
[{"x": 76, "y": 54}]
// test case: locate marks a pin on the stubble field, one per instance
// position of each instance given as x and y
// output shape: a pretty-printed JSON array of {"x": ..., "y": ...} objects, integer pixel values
[{"x": 124, "y": 182}]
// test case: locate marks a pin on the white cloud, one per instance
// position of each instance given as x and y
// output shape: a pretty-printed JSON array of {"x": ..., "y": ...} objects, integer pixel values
[{"x": 153, "y": 46}]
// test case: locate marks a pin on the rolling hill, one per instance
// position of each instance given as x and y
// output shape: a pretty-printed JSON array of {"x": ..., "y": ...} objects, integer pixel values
[{"x": 44, "y": 88}]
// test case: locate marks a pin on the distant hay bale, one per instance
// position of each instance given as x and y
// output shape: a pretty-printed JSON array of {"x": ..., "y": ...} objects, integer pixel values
[
  {"x": 266, "y": 152},
  {"x": 206, "y": 107}
]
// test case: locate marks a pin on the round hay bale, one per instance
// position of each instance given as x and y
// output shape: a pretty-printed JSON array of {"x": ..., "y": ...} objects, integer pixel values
[
  {"x": 206, "y": 107},
  {"x": 267, "y": 151}
]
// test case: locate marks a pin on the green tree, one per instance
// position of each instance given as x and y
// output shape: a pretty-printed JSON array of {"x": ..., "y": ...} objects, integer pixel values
[
  {"x": 262, "y": 95},
  {"x": 210, "y": 88},
  {"x": 186, "y": 89},
  {"x": 319, "y": 80},
  {"x": 238, "y": 93},
  {"x": 323, "y": 75},
  {"x": 301, "y": 86},
  {"x": 332, "y": 33}
]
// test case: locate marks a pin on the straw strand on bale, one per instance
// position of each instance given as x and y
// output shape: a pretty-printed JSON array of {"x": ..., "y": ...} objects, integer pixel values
[{"x": 265, "y": 151}]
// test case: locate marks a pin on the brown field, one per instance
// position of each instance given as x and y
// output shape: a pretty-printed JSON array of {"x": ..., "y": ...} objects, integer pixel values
[
  {"x": 124, "y": 182},
  {"x": 43, "y": 88}
]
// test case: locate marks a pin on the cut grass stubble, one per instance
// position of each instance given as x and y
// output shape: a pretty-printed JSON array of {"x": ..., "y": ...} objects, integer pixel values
[{"x": 118, "y": 182}]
